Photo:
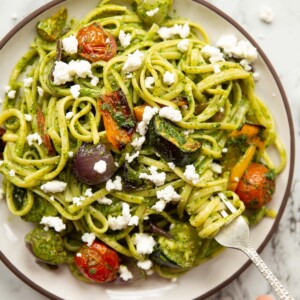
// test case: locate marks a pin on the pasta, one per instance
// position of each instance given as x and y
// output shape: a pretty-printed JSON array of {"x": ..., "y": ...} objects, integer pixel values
[{"x": 169, "y": 116}]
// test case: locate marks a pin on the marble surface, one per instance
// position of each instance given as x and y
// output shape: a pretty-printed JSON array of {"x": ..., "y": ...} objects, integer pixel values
[{"x": 280, "y": 41}]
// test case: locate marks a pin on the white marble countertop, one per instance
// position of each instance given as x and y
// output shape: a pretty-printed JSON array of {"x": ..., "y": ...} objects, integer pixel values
[{"x": 280, "y": 41}]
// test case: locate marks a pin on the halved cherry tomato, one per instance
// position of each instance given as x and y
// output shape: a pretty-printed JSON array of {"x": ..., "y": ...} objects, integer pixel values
[
  {"x": 97, "y": 262},
  {"x": 94, "y": 43},
  {"x": 257, "y": 186},
  {"x": 42, "y": 131}
]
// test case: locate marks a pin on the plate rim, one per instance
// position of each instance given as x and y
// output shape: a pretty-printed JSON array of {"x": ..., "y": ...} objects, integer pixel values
[{"x": 274, "y": 74}]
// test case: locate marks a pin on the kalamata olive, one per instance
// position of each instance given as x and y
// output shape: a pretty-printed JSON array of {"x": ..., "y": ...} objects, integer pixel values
[{"x": 84, "y": 163}]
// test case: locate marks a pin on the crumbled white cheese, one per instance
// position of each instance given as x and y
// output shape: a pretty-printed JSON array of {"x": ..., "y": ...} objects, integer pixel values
[
  {"x": 114, "y": 185},
  {"x": 70, "y": 44},
  {"x": 88, "y": 192},
  {"x": 12, "y": 173},
  {"x": 94, "y": 81},
  {"x": 256, "y": 76},
  {"x": 244, "y": 63},
  {"x": 183, "y": 45},
  {"x": 122, "y": 221},
  {"x": 28, "y": 117},
  {"x": 125, "y": 274},
  {"x": 61, "y": 73},
  {"x": 144, "y": 243},
  {"x": 191, "y": 174},
  {"x": 236, "y": 179},
  {"x": 129, "y": 75},
  {"x": 217, "y": 68},
  {"x": 105, "y": 201},
  {"x": 75, "y": 91},
  {"x": 149, "y": 113},
  {"x": 266, "y": 14},
  {"x": 70, "y": 154},
  {"x": 100, "y": 166},
  {"x": 138, "y": 142},
  {"x": 81, "y": 68},
  {"x": 1, "y": 162},
  {"x": 78, "y": 200},
  {"x": 54, "y": 222},
  {"x": 11, "y": 94},
  {"x": 133, "y": 62},
  {"x": 35, "y": 137},
  {"x": 168, "y": 194},
  {"x": 171, "y": 165},
  {"x": 240, "y": 49},
  {"x": 159, "y": 205},
  {"x": 188, "y": 132},
  {"x": 78, "y": 254},
  {"x": 214, "y": 54},
  {"x": 54, "y": 186},
  {"x": 151, "y": 13},
  {"x": 88, "y": 238},
  {"x": 40, "y": 91},
  {"x": 131, "y": 158},
  {"x": 125, "y": 39},
  {"x": 27, "y": 81},
  {"x": 149, "y": 81},
  {"x": 221, "y": 110},
  {"x": 169, "y": 78},
  {"x": 116, "y": 164},
  {"x": 224, "y": 150},
  {"x": 69, "y": 115},
  {"x": 216, "y": 168},
  {"x": 145, "y": 265},
  {"x": 14, "y": 17},
  {"x": 157, "y": 178},
  {"x": 52, "y": 198},
  {"x": 168, "y": 32},
  {"x": 171, "y": 114}
]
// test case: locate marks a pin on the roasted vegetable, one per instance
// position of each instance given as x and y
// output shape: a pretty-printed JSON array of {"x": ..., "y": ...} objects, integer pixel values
[
  {"x": 51, "y": 28},
  {"x": 158, "y": 10},
  {"x": 46, "y": 246},
  {"x": 118, "y": 121},
  {"x": 182, "y": 249},
  {"x": 97, "y": 262},
  {"x": 94, "y": 43},
  {"x": 84, "y": 163},
  {"x": 172, "y": 144},
  {"x": 257, "y": 186}
]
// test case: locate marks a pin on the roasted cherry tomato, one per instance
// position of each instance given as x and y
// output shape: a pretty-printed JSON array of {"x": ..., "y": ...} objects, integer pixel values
[
  {"x": 43, "y": 132},
  {"x": 94, "y": 43},
  {"x": 97, "y": 262},
  {"x": 257, "y": 186}
]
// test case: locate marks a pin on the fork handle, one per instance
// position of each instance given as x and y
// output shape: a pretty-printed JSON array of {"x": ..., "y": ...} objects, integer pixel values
[{"x": 267, "y": 273}]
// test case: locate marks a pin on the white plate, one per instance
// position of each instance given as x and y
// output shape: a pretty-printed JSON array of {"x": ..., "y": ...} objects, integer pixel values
[{"x": 208, "y": 277}]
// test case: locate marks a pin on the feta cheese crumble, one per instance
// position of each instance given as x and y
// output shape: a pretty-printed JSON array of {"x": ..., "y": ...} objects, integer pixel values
[
  {"x": 105, "y": 201},
  {"x": 70, "y": 154},
  {"x": 145, "y": 265},
  {"x": 114, "y": 185},
  {"x": 171, "y": 165},
  {"x": 28, "y": 117},
  {"x": 168, "y": 194},
  {"x": 168, "y": 32},
  {"x": 69, "y": 115},
  {"x": 125, "y": 39},
  {"x": 88, "y": 238},
  {"x": 216, "y": 168},
  {"x": 149, "y": 113},
  {"x": 123, "y": 221},
  {"x": 54, "y": 186},
  {"x": 138, "y": 142},
  {"x": 94, "y": 81},
  {"x": 11, "y": 94},
  {"x": 144, "y": 243},
  {"x": 266, "y": 14},
  {"x": 171, "y": 114},
  {"x": 100, "y": 166},
  {"x": 125, "y": 274},
  {"x": 40, "y": 91},
  {"x": 191, "y": 174},
  {"x": 133, "y": 62},
  {"x": 157, "y": 178},
  {"x": 149, "y": 81},
  {"x": 88, "y": 192},
  {"x": 35, "y": 137},
  {"x": 169, "y": 78},
  {"x": 61, "y": 73},
  {"x": 54, "y": 222},
  {"x": 75, "y": 91},
  {"x": 78, "y": 200},
  {"x": 12, "y": 173},
  {"x": 214, "y": 54},
  {"x": 70, "y": 44},
  {"x": 151, "y": 13},
  {"x": 131, "y": 158},
  {"x": 27, "y": 81},
  {"x": 183, "y": 45}
]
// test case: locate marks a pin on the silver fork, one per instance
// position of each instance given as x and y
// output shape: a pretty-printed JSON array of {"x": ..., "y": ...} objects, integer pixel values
[{"x": 237, "y": 235}]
